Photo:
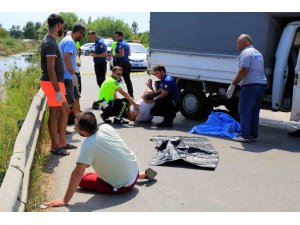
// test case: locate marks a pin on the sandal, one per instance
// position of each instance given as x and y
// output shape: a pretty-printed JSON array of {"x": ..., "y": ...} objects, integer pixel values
[
  {"x": 69, "y": 146},
  {"x": 60, "y": 151},
  {"x": 150, "y": 174}
]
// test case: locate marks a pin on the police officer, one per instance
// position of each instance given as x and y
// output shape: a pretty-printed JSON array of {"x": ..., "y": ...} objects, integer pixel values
[
  {"x": 122, "y": 59},
  {"x": 111, "y": 106},
  {"x": 99, "y": 56},
  {"x": 167, "y": 102}
]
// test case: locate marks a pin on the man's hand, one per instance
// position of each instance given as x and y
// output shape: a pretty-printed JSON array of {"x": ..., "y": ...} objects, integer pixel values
[
  {"x": 230, "y": 91},
  {"x": 136, "y": 107},
  {"x": 75, "y": 80},
  {"x": 149, "y": 84},
  {"x": 93, "y": 54},
  {"x": 56, "y": 203},
  {"x": 59, "y": 97}
]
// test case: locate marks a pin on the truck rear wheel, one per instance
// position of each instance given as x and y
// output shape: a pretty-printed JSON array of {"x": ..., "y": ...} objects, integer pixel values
[{"x": 193, "y": 103}]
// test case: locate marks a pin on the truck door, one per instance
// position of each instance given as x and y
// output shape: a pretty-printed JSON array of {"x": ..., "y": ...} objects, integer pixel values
[
  {"x": 295, "y": 113},
  {"x": 281, "y": 69}
]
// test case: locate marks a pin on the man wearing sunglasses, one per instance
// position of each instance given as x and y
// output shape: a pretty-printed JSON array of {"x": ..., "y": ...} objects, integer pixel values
[{"x": 111, "y": 105}]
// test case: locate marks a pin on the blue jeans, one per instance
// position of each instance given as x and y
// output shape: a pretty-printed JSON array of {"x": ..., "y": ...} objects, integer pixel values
[{"x": 251, "y": 96}]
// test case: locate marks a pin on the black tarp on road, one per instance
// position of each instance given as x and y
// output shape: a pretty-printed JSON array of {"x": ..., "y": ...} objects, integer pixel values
[{"x": 195, "y": 150}]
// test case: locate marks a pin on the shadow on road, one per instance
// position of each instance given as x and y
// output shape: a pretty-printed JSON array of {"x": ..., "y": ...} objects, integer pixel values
[
  {"x": 185, "y": 165},
  {"x": 272, "y": 138},
  {"x": 102, "y": 201}
]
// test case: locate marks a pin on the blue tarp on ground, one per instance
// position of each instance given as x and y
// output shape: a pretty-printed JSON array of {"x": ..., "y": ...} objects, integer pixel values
[{"x": 218, "y": 124}]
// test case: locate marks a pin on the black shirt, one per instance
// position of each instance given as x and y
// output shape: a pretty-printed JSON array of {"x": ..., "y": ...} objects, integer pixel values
[{"x": 50, "y": 48}]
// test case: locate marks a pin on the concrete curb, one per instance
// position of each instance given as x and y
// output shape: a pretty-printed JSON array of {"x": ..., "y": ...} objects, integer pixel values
[{"x": 16, "y": 179}]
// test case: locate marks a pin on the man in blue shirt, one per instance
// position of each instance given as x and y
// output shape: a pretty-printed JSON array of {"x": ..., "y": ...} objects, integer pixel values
[
  {"x": 99, "y": 56},
  {"x": 122, "y": 59},
  {"x": 167, "y": 102},
  {"x": 69, "y": 54}
]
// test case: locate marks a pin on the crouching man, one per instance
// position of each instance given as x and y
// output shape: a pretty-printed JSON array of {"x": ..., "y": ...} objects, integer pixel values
[
  {"x": 111, "y": 105},
  {"x": 167, "y": 102},
  {"x": 115, "y": 165}
]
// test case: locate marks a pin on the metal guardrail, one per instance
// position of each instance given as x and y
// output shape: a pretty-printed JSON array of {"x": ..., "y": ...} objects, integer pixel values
[{"x": 14, "y": 188}]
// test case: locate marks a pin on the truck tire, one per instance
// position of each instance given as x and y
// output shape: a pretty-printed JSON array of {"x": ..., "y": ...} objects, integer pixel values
[{"x": 193, "y": 103}]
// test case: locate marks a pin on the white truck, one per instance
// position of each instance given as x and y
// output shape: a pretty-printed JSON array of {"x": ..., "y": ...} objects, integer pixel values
[{"x": 199, "y": 51}]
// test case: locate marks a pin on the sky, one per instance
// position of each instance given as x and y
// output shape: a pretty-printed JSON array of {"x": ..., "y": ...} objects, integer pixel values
[{"x": 20, "y": 18}]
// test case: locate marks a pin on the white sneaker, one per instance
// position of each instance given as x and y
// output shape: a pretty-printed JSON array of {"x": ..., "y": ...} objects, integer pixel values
[{"x": 241, "y": 139}]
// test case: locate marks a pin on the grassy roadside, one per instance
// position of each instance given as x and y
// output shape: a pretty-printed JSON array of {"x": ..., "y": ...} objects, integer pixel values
[
  {"x": 10, "y": 46},
  {"x": 19, "y": 89},
  {"x": 40, "y": 176}
]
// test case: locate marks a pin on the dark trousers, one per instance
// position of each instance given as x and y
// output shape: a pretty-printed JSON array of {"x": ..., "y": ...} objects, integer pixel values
[
  {"x": 116, "y": 108},
  {"x": 251, "y": 97},
  {"x": 100, "y": 70},
  {"x": 166, "y": 108},
  {"x": 126, "y": 66},
  {"x": 79, "y": 82}
]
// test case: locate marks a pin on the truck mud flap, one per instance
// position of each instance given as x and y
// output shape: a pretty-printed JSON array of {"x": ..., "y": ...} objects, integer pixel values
[{"x": 195, "y": 150}]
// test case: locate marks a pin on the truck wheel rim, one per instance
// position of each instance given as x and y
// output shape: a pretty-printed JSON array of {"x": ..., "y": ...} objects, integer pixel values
[{"x": 190, "y": 103}]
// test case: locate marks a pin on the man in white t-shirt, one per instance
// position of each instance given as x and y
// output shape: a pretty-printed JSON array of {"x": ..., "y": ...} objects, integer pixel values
[
  {"x": 146, "y": 103},
  {"x": 115, "y": 165}
]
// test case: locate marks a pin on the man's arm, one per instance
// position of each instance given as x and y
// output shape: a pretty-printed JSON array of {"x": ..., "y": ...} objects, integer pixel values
[
  {"x": 242, "y": 73},
  {"x": 127, "y": 96},
  {"x": 51, "y": 72},
  {"x": 131, "y": 115},
  {"x": 68, "y": 62},
  {"x": 102, "y": 55},
  {"x": 121, "y": 53},
  {"x": 75, "y": 179},
  {"x": 163, "y": 93}
]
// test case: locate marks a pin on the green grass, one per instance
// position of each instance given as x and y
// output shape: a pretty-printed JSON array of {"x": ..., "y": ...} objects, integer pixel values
[
  {"x": 39, "y": 176},
  {"x": 19, "y": 89},
  {"x": 10, "y": 46}
]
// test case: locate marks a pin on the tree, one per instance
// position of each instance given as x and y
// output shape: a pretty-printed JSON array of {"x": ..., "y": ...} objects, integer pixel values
[
  {"x": 143, "y": 37},
  {"x": 70, "y": 19},
  {"x": 135, "y": 27},
  {"x": 29, "y": 31},
  {"x": 42, "y": 31},
  {"x": 89, "y": 20},
  {"x": 37, "y": 26},
  {"x": 106, "y": 26},
  {"x": 3, "y": 33},
  {"x": 15, "y": 31},
  {"x": 1, "y": 25}
]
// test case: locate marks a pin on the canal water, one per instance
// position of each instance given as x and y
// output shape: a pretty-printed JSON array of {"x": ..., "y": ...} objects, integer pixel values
[{"x": 20, "y": 61}]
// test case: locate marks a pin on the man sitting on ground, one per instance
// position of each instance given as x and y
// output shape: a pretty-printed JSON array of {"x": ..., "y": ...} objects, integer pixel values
[
  {"x": 146, "y": 103},
  {"x": 115, "y": 165},
  {"x": 111, "y": 105}
]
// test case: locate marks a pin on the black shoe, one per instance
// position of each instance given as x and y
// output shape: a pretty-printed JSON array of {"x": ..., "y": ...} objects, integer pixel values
[
  {"x": 121, "y": 121},
  {"x": 105, "y": 120},
  {"x": 294, "y": 133},
  {"x": 150, "y": 174},
  {"x": 165, "y": 124}
]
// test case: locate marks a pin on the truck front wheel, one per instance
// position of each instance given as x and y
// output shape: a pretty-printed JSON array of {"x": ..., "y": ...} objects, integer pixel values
[{"x": 193, "y": 103}]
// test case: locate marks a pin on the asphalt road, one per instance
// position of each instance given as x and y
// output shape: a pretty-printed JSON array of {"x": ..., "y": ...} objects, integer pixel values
[{"x": 261, "y": 176}]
